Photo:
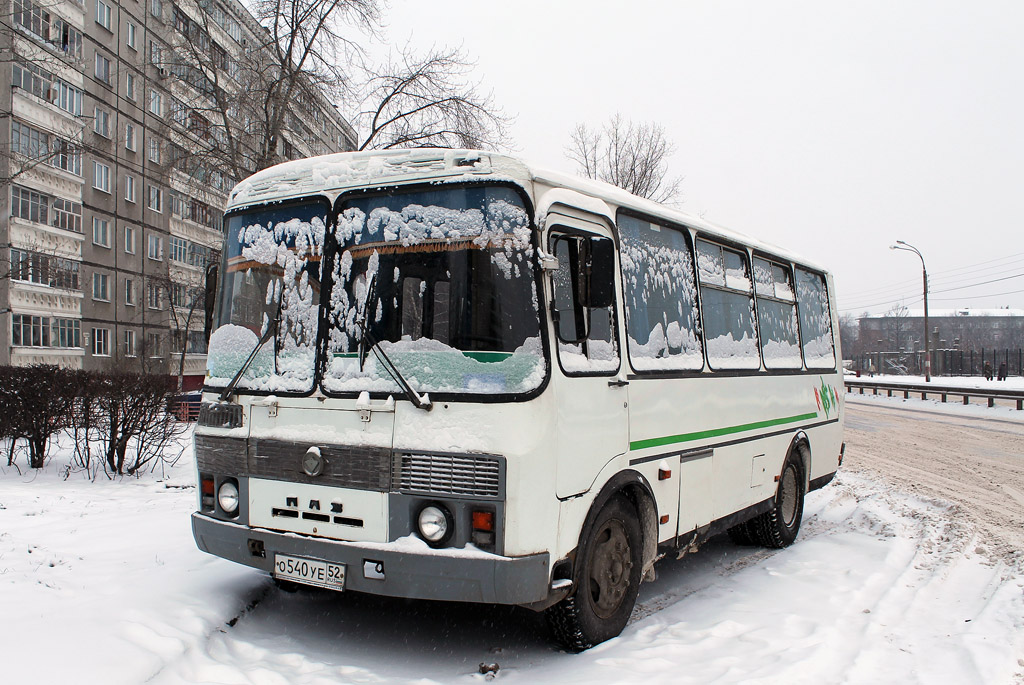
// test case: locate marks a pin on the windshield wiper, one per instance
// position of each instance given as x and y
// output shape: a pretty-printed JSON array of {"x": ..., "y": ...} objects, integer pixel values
[
  {"x": 368, "y": 341},
  {"x": 270, "y": 332}
]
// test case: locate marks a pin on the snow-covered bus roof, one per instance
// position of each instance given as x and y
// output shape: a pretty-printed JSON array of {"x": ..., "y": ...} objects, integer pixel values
[{"x": 334, "y": 174}]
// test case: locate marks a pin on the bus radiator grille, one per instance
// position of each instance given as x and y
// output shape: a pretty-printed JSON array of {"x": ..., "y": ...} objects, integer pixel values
[{"x": 445, "y": 474}]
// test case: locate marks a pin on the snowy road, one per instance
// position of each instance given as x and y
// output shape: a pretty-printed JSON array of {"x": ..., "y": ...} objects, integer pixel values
[{"x": 903, "y": 571}]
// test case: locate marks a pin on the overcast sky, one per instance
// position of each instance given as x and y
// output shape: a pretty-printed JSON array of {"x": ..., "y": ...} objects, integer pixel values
[{"x": 832, "y": 128}]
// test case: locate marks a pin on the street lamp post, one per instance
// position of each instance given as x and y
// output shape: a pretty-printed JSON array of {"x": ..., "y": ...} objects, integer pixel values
[{"x": 900, "y": 245}]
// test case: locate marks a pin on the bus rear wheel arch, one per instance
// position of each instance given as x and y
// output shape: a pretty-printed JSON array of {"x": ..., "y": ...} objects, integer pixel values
[{"x": 606, "y": 578}]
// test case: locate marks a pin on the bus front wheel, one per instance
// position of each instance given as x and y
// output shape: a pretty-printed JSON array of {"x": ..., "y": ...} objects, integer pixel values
[{"x": 605, "y": 581}]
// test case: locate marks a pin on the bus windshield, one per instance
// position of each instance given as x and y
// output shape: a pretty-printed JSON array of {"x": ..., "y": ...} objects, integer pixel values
[
  {"x": 444, "y": 281},
  {"x": 271, "y": 277}
]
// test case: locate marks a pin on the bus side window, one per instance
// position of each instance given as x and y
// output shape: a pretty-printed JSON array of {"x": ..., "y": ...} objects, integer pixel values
[
  {"x": 815, "y": 320},
  {"x": 727, "y": 307},
  {"x": 586, "y": 334}
]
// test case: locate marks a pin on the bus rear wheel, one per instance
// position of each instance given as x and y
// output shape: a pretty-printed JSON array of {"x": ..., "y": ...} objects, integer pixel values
[
  {"x": 777, "y": 527},
  {"x": 606, "y": 580}
]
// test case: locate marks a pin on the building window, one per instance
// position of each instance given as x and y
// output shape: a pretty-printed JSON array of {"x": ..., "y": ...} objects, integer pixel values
[
  {"x": 129, "y": 343},
  {"x": 156, "y": 8},
  {"x": 156, "y": 199},
  {"x": 155, "y": 249},
  {"x": 101, "y": 122},
  {"x": 179, "y": 250},
  {"x": 34, "y": 267},
  {"x": 131, "y": 35},
  {"x": 67, "y": 97},
  {"x": 156, "y": 103},
  {"x": 129, "y": 188},
  {"x": 153, "y": 344},
  {"x": 30, "y": 331},
  {"x": 101, "y": 177},
  {"x": 129, "y": 85},
  {"x": 67, "y": 333},
  {"x": 129, "y": 292},
  {"x": 29, "y": 142},
  {"x": 129, "y": 239},
  {"x": 67, "y": 215},
  {"x": 101, "y": 342},
  {"x": 102, "y": 68},
  {"x": 129, "y": 137},
  {"x": 154, "y": 150},
  {"x": 100, "y": 232},
  {"x": 101, "y": 287},
  {"x": 154, "y": 296},
  {"x": 32, "y": 18},
  {"x": 67, "y": 157},
  {"x": 29, "y": 205},
  {"x": 156, "y": 53},
  {"x": 103, "y": 14}
]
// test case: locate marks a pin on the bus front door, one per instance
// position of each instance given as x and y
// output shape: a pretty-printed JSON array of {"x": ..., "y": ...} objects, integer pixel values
[{"x": 590, "y": 386}]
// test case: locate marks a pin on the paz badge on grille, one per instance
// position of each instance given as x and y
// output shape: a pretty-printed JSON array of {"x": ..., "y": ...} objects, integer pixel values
[{"x": 313, "y": 462}]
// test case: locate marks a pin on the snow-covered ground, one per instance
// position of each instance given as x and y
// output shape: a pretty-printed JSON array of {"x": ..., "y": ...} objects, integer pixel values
[{"x": 100, "y": 582}]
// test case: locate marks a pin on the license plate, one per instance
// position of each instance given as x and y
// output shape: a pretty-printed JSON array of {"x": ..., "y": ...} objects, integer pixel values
[{"x": 310, "y": 571}]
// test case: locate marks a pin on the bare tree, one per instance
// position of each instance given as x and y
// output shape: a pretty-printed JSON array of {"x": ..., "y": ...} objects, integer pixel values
[
  {"x": 629, "y": 155},
  {"x": 266, "y": 106},
  {"x": 427, "y": 101}
]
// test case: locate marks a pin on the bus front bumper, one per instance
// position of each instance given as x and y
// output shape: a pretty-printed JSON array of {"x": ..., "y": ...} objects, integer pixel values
[{"x": 438, "y": 575}]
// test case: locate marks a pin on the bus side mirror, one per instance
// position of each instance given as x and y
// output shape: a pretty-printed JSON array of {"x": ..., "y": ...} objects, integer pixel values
[
  {"x": 210, "y": 299},
  {"x": 601, "y": 274}
]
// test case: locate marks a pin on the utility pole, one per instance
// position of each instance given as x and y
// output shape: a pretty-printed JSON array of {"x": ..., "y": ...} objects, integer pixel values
[{"x": 900, "y": 245}]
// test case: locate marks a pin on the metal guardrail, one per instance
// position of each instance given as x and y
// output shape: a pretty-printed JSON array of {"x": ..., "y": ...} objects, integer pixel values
[{"x": 936, "y": 390}]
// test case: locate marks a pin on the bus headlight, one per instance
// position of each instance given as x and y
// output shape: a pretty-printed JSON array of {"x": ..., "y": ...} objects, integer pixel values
[
  {"x": 227, "y": 497},
  {"x": 435, "y": 524}
]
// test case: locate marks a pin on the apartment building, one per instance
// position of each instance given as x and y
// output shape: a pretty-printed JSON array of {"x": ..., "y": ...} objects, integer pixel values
[{"x": 109, "y": 216}]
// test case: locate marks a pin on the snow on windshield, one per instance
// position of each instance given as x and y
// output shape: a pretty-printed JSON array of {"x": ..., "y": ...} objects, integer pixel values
[
  {"x": 272, "y": 273},
  {"x": 448, "y": 276}
]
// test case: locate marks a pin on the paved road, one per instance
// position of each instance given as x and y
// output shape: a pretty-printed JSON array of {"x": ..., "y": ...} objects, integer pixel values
[{"x": 975, "y": 463}]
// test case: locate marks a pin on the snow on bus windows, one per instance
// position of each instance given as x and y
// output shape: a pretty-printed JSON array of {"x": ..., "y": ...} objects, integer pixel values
[
  {"x": 727, "y": 307},
  {"x": 662, "y": 323},
  {"x": 271, "y": 278},
  {"x": 448, "y": 277},
  {"x": 776, "y": 315},
  {"x": 815, "y": 320}
]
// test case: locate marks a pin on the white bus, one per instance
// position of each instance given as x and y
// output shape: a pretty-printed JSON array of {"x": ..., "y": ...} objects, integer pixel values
[{"x": 449, "y": 375}]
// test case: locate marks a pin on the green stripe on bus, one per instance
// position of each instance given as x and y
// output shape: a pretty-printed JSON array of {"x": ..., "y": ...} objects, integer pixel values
[{"x": 716, "y": 432}]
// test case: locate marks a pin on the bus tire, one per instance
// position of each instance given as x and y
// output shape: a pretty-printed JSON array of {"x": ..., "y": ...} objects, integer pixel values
[
  {"x": 777, "y": 527},
  {"x": 606, "y": 580}
]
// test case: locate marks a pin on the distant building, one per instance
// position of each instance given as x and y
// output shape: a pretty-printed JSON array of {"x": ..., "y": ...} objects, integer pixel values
[
  {"x": 104, "y": 242},
  {"x": 967, "y": 329}
]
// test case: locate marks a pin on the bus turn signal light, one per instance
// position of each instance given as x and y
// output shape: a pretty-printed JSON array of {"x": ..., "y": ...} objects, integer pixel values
[
  {"x": 664, "y": 474},
  {"x": 483, "y": 520}
]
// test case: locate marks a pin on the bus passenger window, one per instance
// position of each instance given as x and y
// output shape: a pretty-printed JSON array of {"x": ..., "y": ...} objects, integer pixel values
[
  {"x": 662, "y": 321},
  {"x": 727, "y": 308},
  {"x": 586, "y": 335},
  {"x": 776, "y": 315},
  {"x": 815, "y": 320}
]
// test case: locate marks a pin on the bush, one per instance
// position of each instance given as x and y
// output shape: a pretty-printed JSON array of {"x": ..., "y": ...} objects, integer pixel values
[
  {"x": 116, "y": 410},
  {"x": 37, "y": 401}
]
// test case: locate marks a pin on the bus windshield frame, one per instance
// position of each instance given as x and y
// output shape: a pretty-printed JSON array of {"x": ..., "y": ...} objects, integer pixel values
[{"x": 322, "y": 289}]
